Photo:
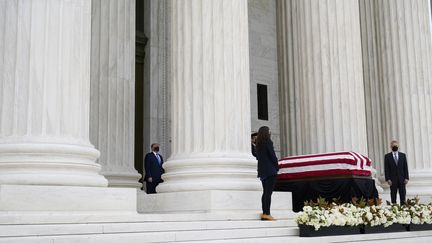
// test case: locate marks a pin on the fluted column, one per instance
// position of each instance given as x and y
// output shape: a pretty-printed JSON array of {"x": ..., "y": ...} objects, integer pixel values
[
  {"x": 112, "y": 103},
  {"x": 404, "y": 60},
  {"x": 44, "y": 94},
  {"x": 321, "y": 77},
  {"x": 378, "y": 144},
  {"x": 210, "y": 98}
]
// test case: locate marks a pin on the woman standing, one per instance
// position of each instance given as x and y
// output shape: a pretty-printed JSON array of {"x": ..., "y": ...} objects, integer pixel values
[{"x": 267, "y": 169}]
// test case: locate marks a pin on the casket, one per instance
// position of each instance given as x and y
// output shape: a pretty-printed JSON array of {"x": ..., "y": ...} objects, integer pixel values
[{"x": 324, "y": 165}]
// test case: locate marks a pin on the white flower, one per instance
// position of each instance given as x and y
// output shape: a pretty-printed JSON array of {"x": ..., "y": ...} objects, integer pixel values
[
  {"x": 307, "y": 209},
  {"x": 415, "y": 220},
  {"x": 369, "y": 216},
  {"x": 348, "y": 214}
]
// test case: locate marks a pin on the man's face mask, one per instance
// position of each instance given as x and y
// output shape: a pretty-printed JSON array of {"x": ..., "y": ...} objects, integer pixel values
[{"x": 156, "y": 149}]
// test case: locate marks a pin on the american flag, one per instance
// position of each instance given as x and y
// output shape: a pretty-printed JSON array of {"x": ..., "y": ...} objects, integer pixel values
[{"x": 326, "y": 164}]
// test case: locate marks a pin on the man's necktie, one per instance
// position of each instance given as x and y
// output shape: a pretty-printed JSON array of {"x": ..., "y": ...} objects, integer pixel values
[{"x": 158, "y": 158}]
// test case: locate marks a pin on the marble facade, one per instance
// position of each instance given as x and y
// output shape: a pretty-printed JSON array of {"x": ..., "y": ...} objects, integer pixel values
[{"x": 64, "y": 64}]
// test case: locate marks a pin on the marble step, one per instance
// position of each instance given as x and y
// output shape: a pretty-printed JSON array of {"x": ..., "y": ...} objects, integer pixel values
[
  {"x": 399, "y": 237},
  {"x": 147, "y": 232},
  {"x": 274, "y": 235},
  {"x": 196, "y": 231},
  {"x": 8, "y": 218},
  {"x": 133, "y": 227}
]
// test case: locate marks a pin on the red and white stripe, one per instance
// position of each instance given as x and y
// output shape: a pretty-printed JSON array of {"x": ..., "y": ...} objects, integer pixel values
[{"x": 328, "y": 164}]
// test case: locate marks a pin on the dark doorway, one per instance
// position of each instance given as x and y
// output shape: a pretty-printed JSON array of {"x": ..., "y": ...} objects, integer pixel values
[
  {"x": 141, "y": 41},
  {"x": 262, "y": 102}
]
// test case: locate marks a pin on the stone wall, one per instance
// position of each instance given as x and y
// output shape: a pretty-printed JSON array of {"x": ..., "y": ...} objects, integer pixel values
[{"x": 263, "y": 63}]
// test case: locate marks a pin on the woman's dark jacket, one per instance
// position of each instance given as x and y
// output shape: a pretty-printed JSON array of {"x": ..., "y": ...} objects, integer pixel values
[{"x": 267, "y": 160}]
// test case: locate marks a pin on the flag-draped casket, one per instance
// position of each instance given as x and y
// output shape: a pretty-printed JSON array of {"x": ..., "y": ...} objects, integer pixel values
[
  {"x": 324, "y": 165},
  {"x": 341, "y": 175}
]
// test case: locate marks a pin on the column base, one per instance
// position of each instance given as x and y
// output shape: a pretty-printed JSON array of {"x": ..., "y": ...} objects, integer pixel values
[
  {"x": 210, "y": 172},
  {"x": 49, "y": 161},
  {"x": 27, "y": 198},
  {"x": 209, "y": 201},
  {"x": 377, "y": 180},
  {"x": 125, "y": 179},
  {"x": 420, "y": 184}
]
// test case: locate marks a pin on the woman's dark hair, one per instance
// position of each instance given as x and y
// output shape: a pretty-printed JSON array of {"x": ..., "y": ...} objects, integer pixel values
[{"x": 263, "y": 137}]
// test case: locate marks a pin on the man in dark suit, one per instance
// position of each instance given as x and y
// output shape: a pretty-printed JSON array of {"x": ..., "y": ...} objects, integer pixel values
[
  {"x": 153, "y": 169},
  {"x": 253, "y": 144},
  {"x": 396, "y": 172}
]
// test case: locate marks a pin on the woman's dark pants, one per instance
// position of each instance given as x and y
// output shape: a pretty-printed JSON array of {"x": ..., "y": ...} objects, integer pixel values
[{"x": 268, "y": 186}]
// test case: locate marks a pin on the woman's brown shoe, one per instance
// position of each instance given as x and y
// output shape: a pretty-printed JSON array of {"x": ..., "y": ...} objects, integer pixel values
[{"x": 267, "y": 217}]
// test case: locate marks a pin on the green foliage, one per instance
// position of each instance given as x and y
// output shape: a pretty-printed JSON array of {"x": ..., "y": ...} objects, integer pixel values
[{"x": 361, "y": 203}]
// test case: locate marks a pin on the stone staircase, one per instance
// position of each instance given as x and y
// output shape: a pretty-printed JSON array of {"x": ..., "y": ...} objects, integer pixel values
[
  {"x": 169, "y": 227},
  {"x": 143, "y": 227}
]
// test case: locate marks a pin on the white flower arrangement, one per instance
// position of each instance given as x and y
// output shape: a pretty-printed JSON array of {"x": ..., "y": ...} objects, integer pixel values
[{"x": 370, "y": 213}]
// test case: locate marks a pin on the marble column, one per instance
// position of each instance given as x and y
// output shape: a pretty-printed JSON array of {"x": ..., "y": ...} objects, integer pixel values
[
  {"x": 112, "y": 102},
  {"x": 44, "y": 94},
  {"x": 157, "y": 104},
  {"x": 377, "y": 143},
  {"x": 210, "y": 98},
  {"x": 404, "y": 78},
  {"x": 321, "y": 77}
]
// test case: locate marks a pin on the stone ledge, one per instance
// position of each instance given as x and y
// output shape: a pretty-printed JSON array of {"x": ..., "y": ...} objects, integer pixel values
[
  {"x": 209, "y": 201},
  {"x": 24, "y": 198},
  {"x": 70, "y": 217}
]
